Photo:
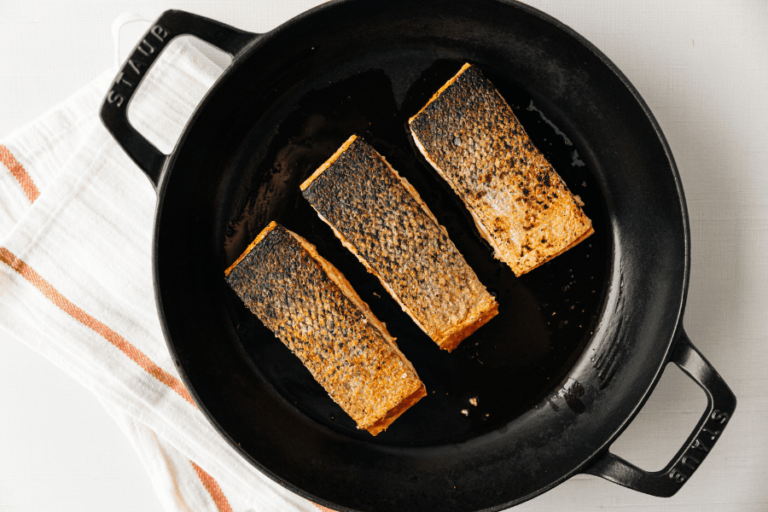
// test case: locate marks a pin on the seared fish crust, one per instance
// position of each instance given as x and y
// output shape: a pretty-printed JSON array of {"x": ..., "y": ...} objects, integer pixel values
[
  {"x": 520, "y": 204},
  {"x": 380, "y": 217},
  {"x": 314, "y": 311}
]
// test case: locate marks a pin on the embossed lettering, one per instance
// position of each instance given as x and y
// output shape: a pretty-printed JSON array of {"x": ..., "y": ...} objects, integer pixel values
[
  {"x": 720, "y": 416},
  {"x": 690, "y": 462},
  {"x": 698, "y": 445},
  {"x": 136, "y": 65},
  {"x": 159, "y": 32},
  {"x": 120, "y": 80},
  {"x": 145, "y": 48},
  {"x": 116, "y": 99},
  {"x": 677, "y": 476}
]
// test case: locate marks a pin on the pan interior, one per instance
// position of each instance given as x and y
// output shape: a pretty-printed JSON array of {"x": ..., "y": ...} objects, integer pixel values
[
  {"x": 546, "y": 318},
  {"x": 282, "y": 109}
]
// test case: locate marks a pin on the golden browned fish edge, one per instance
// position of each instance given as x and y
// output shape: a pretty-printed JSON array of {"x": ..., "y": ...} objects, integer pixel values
[
  {"x": 381, "y": 218},
  {"x": 520, "y": 205},
  {"x": 313, "y": 310}
]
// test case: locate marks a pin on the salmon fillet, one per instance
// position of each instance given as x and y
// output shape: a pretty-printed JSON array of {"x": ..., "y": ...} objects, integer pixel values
[
  {"x": 380, "y": 217},
  {"x": 315, "y": 312},
  {"x": 520, "y": 205}
]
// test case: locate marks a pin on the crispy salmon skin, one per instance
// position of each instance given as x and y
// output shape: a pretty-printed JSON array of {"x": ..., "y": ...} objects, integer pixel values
[
  {"x": 520, "y": 205},
  {"x": 381, "y": 218},
  {"x": 314, "y": 311}
]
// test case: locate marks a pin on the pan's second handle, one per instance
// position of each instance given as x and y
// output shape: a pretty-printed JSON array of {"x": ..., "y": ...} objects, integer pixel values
[
  {"x": 721, "y": 403},
  {"x": 114, "y": 110}
]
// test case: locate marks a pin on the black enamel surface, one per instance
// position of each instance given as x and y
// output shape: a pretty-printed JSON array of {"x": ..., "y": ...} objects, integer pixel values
[
  {"x": 556, "y": 393},
  {"x": 510, "y": 364}
]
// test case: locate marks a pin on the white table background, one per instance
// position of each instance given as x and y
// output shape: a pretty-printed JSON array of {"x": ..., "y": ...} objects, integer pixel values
[{"x": 702, "y": 66}]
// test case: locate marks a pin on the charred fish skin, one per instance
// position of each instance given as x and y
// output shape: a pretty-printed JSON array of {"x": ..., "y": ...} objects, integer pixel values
[
  {"x": 313, "y": 310},
  {"x": 380, "y": 217},
  {"x": 520, "y": 205}
]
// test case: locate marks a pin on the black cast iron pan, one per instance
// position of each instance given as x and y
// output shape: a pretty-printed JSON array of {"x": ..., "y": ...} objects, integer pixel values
[{"x": 579, "y": 343}]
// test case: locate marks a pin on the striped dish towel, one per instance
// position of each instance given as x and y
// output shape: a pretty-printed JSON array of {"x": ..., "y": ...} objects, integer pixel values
[{"x": 76, "y": 218}]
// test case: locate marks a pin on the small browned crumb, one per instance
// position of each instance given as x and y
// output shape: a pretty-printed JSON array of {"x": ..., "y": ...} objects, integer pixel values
[
  {"x": 465, "y": 412},
  {"x": 473, "y": 401}
]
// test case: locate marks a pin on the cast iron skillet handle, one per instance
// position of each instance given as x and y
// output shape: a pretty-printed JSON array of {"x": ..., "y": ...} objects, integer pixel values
[
  {"x": 115, "y": 107},
  {"x": 721, "y": 403}
]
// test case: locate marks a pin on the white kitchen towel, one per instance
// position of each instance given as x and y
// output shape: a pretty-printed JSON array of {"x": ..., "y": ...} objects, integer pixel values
[{"x": 76, "y": 217}]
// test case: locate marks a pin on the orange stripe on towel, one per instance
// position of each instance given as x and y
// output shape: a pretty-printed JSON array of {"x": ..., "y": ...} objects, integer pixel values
[
  {"x": 136, "y": 355},
  {"x": 18, "y": 172},
  {"x": 213, "y": 489}
]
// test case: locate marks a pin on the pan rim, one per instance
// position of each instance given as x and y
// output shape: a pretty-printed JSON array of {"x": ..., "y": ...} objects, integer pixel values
[{"x": 171, "y": 161}]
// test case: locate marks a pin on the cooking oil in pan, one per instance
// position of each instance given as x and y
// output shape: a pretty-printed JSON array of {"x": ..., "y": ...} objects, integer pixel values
[{"x": 545, "y": 317}]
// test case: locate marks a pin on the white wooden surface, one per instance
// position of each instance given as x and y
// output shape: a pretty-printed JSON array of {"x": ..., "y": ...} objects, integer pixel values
[{"x": 701, "y": 65}]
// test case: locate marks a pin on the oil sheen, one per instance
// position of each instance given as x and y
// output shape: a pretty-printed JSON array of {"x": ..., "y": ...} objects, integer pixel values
[{"x": 546, "y": 317}]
